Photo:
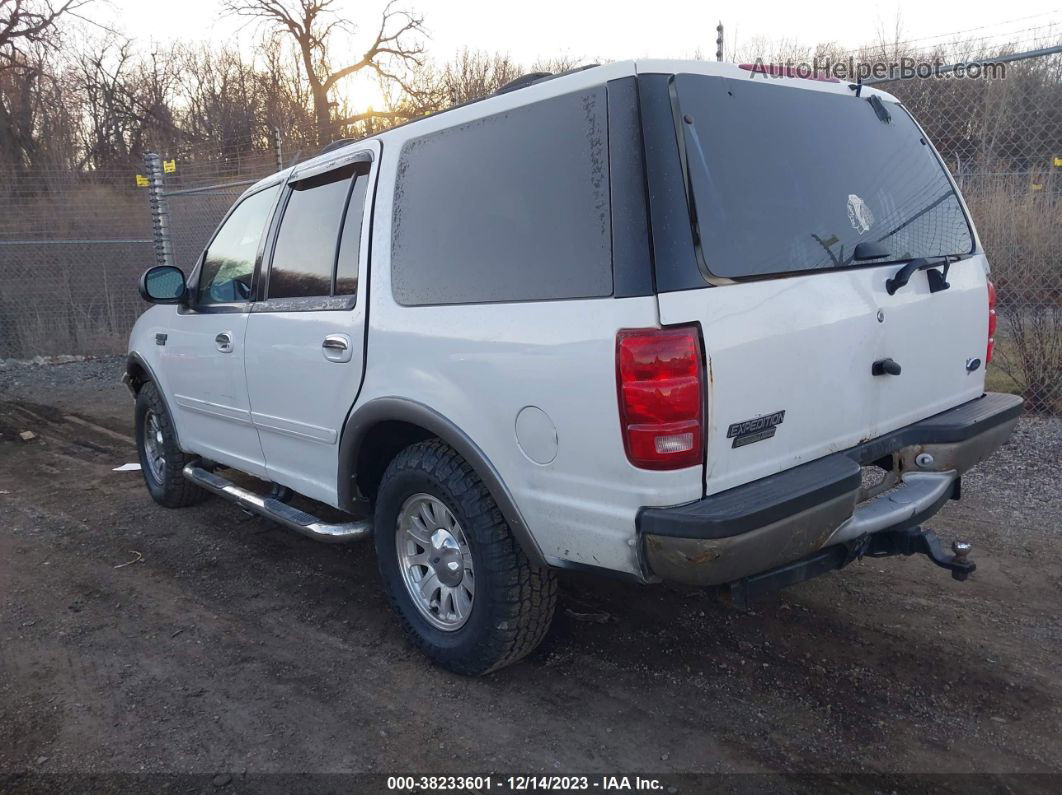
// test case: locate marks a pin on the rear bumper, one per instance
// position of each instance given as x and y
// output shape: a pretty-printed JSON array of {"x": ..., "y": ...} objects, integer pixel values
[{"x": 785, "y": 517}]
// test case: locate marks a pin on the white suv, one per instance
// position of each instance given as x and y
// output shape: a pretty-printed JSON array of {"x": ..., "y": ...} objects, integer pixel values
[{"x": 663, "y": 320}]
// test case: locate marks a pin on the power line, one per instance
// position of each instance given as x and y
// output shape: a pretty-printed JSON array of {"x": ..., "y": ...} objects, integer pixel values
[
  {"x": 946, "y": 36},
  {"x": 1018, "y": 56}
]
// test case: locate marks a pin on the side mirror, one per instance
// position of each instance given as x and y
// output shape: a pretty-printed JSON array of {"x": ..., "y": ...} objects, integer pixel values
[{"x": 163, "y": 284}]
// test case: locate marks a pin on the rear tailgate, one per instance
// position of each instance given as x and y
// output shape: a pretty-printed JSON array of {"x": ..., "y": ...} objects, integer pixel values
[
  {"x": 782, "y": 179},
  {"x": 804, "y": 345}
]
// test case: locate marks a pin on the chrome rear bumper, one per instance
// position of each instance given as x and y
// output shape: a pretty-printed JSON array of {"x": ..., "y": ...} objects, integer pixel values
[{"x": 782, "y": 518}]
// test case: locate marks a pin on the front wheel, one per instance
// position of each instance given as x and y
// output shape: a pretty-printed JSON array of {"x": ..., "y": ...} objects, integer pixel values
[
  {"x": 467, "y": 594},
  {"x": 161, "y": 460}
]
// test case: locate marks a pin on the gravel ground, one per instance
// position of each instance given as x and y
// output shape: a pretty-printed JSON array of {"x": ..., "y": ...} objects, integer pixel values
[
  {"x": 1024, "y": 479},
  {"x": 70, "y": 385},
  {"x": 233, "y": 648}
]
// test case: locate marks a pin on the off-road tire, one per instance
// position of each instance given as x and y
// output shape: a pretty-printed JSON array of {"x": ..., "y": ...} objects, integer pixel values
[
  {"x": 514, "y": 599},
  {"x": 173, "y": 490}
]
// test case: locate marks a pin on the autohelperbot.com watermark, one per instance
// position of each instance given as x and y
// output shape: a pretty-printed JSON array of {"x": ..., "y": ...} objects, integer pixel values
[{"x": 852, "y": 70}]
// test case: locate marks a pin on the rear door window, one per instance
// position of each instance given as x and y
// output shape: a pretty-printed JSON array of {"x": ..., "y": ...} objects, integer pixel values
[
  {"x": 350, "y": 239},
  {"x": 510, "y": 207},
  {"x": 790, "y": 179},
  {"x": 304, "y": 255}
]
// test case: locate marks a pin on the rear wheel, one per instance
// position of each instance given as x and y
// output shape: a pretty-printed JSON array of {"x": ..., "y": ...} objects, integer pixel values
[
  {"x": 161, "y": 460},
  {"x": 467, "y": 595}
]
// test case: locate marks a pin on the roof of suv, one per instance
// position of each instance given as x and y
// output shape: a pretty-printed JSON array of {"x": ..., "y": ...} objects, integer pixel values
[{"x": 546, "y": 86}]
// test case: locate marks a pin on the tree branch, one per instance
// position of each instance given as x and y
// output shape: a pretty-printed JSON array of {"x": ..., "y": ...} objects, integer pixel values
[
  {"x": 390, "y": 115},
  {"x": 31, "y": 22},
  {"x": 387, "y": 44}
]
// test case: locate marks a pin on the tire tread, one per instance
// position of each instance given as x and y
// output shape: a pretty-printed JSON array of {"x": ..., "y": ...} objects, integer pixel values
[
  {"x": 523, "y": 594},
  {"x": 175, "y": 491}
]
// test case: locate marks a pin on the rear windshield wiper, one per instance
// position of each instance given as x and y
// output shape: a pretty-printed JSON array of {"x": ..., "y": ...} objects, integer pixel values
[{"x": 937, "y": 280}]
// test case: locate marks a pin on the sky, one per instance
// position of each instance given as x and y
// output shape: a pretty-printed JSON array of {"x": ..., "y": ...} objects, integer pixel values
[{"x": 618, "y": 29}]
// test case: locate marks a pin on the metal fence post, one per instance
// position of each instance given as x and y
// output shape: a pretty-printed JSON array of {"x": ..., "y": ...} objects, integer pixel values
[
  {"x": 277, "y": 149},
  {"x": 160, "y": 213}
]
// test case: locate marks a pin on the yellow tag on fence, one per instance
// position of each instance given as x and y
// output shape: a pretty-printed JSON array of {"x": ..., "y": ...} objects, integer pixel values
[
  {"x": 1058, "y": 162},
  {"x": 142, "y": 181},
  {"x": 169, "y": 166},
  {"x": 1037, "y": 186}
]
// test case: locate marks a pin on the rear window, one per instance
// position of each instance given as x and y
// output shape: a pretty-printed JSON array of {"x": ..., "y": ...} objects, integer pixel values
[
  {"x": 786, "y": 179},
  {"x": 511, "y": 207}
]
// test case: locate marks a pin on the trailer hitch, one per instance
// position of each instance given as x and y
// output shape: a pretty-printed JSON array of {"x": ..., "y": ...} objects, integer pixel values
[
  {"x": 883, "y": 544},
  {"x": 919, "y": 540}
]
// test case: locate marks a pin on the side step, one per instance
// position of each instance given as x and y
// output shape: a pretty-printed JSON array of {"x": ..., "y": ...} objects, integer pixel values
[{"x": 292, "y": 518}]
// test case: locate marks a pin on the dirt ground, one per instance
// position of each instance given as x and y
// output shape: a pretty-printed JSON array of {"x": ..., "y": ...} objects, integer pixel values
[{"x": 232, "y": 647}]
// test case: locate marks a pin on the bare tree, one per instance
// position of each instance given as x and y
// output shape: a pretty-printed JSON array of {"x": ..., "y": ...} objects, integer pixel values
[
  {"x": 468, "y": 76},
  {"x": 394, "y": 50},
  {"x": 474, "y": 74},
  {"x": 28, "y": 36},
  {"x": 125, "y": 101},
  {"x": 25, "y": 24}
]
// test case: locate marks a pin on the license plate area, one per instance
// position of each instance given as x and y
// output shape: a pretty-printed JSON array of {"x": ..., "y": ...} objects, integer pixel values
[{"x": 879, "y": 476}]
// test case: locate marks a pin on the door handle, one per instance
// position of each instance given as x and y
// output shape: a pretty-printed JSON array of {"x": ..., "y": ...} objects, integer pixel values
[
  {"x": 223, "y": 341},
  {"x": 336, "y": 348}
]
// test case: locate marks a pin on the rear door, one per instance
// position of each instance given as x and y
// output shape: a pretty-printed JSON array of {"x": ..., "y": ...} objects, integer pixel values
[
  {"x": 306, "y": 333},
  {"x": 782, "y": 184}
]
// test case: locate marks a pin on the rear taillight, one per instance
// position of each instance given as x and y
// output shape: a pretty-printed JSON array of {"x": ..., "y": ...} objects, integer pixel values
[
  {"x": 991, "y": 322},
  {"x": 660, "y": 380}
]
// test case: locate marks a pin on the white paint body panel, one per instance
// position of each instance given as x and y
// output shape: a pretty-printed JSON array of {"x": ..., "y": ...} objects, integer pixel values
[
  {"x": 208, "y": 388},
  {"x": 300, "y": 399},
  {"x": 479, "y": 369},
  {"x": 805, "y": 345}
]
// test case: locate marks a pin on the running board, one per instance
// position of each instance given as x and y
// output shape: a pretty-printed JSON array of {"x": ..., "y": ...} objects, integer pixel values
[{"x": 292, "y": 518}]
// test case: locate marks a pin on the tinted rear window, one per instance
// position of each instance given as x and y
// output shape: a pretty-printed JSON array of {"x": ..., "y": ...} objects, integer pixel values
[
  {"x": 305, "y": 251},
  {"x": 511, "y": 207},
  {"x": 350, "y": 239},
  {"x": 793, "y": 179}
]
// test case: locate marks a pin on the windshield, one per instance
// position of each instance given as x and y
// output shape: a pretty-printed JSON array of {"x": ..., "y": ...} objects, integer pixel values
[{"x": 786, "y": 179}]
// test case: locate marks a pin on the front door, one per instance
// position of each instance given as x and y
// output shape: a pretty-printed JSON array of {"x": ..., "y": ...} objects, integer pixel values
[
  {"x": 204, "y": 350},
  {"x": 306, "y": 334}
]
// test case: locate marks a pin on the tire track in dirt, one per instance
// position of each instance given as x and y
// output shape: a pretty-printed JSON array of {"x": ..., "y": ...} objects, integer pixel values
[{"x": 886, "y": 666}]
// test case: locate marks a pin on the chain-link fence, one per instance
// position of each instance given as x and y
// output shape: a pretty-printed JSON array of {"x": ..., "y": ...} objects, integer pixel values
[
  {"x": 71, "y": 249},
  {"x": 1002, "y": 139},
  {"x": 73, "y": 245},
  {"x": 203, "y": 184}
]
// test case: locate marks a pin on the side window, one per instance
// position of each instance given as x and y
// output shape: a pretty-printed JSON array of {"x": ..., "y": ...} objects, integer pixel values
[
  {"x": 229, "y": 261},
  {"x": 305, "y": 260},
  {"x": 350, "y": 240},
  {"x": 511, "y": 207}
]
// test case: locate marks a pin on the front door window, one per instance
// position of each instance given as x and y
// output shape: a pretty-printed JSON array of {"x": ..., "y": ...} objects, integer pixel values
[{"x": 228, "y": 264}]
